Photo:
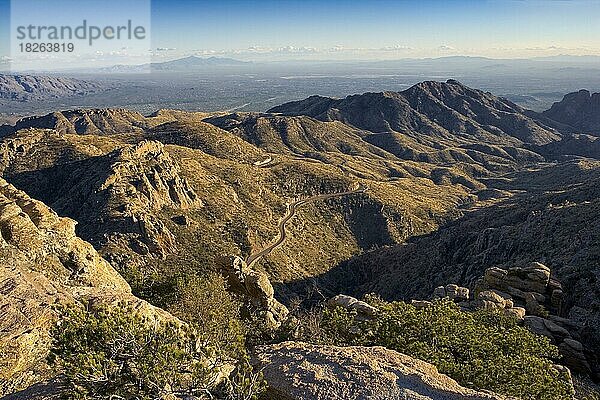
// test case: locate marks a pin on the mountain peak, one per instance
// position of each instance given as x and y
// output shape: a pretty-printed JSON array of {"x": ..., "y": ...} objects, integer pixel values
[
  {"x": 580, "y": 110},
  {"x": 427, "y": 109}
]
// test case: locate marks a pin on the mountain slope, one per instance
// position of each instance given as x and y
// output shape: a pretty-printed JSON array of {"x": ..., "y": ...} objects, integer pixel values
[
  {"x": 125, "y": 183},
  {"x": 550, "y": 215},
  {"x": 442, "y": 124}
]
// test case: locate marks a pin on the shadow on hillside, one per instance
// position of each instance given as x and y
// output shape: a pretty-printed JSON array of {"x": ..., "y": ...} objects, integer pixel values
[{"x": 550, "y": 219}]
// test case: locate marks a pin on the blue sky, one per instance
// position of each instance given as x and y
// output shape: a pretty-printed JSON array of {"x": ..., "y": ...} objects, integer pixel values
[
  {"x": 374, "y": 29},
  {"x": 423, "y": 28}
]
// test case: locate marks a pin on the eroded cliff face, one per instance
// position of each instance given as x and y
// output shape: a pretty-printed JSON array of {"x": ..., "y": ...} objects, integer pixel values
[{"x": 43, "y": 266}]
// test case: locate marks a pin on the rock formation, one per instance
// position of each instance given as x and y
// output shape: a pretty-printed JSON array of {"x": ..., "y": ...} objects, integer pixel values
[
  {"x": 120, "y": 194},
  {"x": 43, "y": 265},
  {"x": 530, "y": 294},
  {"x": 310, "y": 372},
  {"x": 256, "y": 289},
  {"x": 452, "y": 291}
]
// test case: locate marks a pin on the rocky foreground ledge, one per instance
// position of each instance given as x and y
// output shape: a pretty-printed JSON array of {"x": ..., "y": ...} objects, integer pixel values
[{"x": 297, "y": 370}]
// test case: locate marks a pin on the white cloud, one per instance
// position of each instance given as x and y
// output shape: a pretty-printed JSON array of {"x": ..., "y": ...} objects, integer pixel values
[
  {"x": 397, "y": 47},
  {"x": 539, "y": 48}
]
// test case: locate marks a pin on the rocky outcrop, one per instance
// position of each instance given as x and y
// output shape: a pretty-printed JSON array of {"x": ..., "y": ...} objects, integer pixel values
[
  {"x": 531, "y": 295},
  {"x": 255, "y": 287},
  {"x": 118, "y": 197},
  {"x": 555, "y": 328},
  {"x": 30, "y": 227},
  {"x": 530, "y": 286},
  {"x": 295, "y": 371},
  {"x": 452, "y": 291},
  {"x": 149, "y": 170},
  {"x": 541, "y": 297},
  {"x": 44, "y": 265},
  {"x": 580, "y": 110},
  {"x": 87, "y": 122}
]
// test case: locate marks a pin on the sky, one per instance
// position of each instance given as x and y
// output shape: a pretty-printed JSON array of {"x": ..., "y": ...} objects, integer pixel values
[
  {"x": 381, "y": 28},
  {"x": 358, "y": 30}
]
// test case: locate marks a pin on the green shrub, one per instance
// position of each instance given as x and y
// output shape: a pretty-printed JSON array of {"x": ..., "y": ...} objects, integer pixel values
[
  {"x": 205, "y": 303},
  {"x": 483, "y": 349},
  {"x": 116, "y": 352}
]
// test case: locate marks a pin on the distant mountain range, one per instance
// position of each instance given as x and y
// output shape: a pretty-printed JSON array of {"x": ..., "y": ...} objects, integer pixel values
[
  {"x": 190, "y": 63},
  {"x": 29, "y": 87}
]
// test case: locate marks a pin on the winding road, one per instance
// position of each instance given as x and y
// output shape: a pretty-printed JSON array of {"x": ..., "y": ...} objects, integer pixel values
[{"x": 291, "y": 210}]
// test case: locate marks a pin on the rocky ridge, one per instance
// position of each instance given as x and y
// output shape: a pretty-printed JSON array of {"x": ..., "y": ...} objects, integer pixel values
[
  {"x": 86, "y": 122},
  {"x": 116, "y": 196}
]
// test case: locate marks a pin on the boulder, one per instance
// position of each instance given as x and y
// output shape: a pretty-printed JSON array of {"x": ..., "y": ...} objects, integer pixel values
[
  {"x": 492, "y": 299},
  {"x": 573, "y": 356},
  {"x": 517, "y": 312},
  {"x": 452, "y": 291},
  {"x": 296, "y": 370},
  {"x": 363, "y": 309},
  {"x": 556, "y": 298},
  {"x": 533, "y": 303},
  {"x": 546, "y": 327},
  {"x": 439, "y": 292}
]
